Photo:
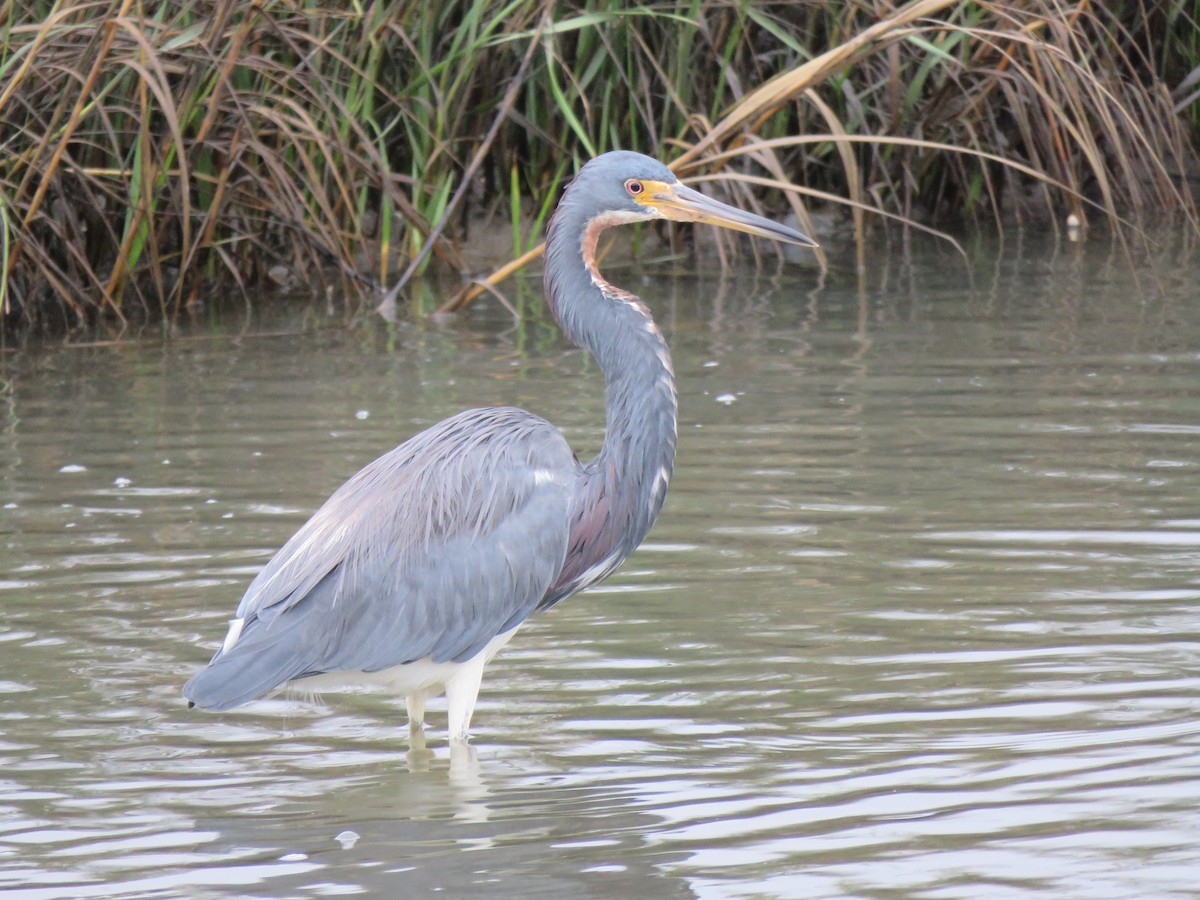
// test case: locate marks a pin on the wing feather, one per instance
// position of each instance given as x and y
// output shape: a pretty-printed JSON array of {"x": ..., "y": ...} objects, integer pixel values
[{"x": 430, "y": 551}]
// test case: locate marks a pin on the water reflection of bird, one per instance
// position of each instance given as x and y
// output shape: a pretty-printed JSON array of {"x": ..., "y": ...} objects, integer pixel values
[{"x": 424, "y": 564}]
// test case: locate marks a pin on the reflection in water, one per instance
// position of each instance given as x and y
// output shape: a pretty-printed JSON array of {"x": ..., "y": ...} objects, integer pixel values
[
  {"x": 918, "y": 620},
  {"x": 454, "y": 823}
]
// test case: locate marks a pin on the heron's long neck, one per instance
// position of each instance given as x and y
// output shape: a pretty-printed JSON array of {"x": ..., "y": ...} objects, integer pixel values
[{"x": 638, "y": 455}]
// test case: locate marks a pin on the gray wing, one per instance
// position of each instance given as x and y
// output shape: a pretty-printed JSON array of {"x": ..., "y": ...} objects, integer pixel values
[{"x": 430, "y": 551}]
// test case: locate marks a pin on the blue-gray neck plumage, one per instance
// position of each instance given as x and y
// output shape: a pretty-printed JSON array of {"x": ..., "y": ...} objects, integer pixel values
[{"x": 638, "y": 456}]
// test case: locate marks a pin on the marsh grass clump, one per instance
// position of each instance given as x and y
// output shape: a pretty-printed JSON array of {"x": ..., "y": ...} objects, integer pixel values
[
  {"x": 158, "y": 152},
  {"x": 154, "y": 150}
]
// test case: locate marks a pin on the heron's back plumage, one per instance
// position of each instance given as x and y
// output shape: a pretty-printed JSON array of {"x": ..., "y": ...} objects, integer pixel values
[{"x": 428, "y": 552}]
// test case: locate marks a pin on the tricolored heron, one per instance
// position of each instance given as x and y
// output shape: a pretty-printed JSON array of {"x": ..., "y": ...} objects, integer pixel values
[{"x": 424, "y": 564}]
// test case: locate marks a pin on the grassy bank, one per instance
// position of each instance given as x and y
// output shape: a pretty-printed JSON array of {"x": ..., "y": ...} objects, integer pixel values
[{"x": 156, "y": 152}]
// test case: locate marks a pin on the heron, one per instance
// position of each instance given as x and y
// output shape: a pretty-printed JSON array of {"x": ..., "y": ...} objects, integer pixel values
[{"x": 416, "y": 571}]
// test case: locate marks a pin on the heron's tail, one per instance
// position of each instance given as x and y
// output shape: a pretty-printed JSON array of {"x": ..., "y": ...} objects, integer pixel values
[
  {"x": 234, "y": 678},
  {"x": 265, "y": 651}
]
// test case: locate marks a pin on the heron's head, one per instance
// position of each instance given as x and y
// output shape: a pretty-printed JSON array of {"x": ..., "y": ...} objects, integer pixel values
[{"x": 623, "y": 186}]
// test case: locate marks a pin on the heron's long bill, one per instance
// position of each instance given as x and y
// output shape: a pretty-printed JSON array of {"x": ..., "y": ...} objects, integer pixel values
[{"x": 682, "y": 204}]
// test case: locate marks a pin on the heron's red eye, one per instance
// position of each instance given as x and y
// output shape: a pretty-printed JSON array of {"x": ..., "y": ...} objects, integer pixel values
[{"x": 634, "y": 187}]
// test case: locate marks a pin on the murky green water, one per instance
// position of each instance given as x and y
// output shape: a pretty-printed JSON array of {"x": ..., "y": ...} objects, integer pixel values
[{"x": 919, "y": 619}]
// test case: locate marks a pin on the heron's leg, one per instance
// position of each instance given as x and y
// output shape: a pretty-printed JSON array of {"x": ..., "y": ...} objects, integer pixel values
[
  {"x": 462, "y": 690},
  {"x": 418, "y": 753},
  {"x": 416, "y": 710}
]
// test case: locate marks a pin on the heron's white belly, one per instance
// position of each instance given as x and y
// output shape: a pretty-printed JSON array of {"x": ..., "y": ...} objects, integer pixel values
[{"x": 422, "y": 676}]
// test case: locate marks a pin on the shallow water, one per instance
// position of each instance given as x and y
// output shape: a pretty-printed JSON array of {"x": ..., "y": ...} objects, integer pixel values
[{"x": 918, "y": 620}]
